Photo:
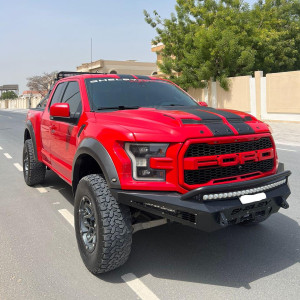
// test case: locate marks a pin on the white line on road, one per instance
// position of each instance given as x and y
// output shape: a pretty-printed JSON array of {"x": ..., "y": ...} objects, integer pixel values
[
  {"x": 19, "y": 167},
  {"x": 67, "y": 215},
  {"x": 139, "y": 287},
  {"x": 7, "y": 155},
  {"x": 1, "y": 148},
  {"x": 41, "y": 189},
  {"x": 290, "y": 150}
]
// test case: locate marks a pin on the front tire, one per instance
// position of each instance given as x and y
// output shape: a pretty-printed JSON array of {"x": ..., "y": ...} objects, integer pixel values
[
  {"x": 34, "y": 171},
  {"x": 103, "y": 227}
]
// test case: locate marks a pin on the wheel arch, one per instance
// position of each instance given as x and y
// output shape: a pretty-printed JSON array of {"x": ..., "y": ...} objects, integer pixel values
[
  {"x": 91, "y": 157},
  {"x": 29, "y": 134}
]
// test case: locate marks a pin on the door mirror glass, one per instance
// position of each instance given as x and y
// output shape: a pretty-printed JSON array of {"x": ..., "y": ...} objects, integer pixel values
[{"x": 60, "y": 110}]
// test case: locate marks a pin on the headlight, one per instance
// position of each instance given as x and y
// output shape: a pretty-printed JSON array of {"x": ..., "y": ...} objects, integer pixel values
[{"x": 140, "y": 154}]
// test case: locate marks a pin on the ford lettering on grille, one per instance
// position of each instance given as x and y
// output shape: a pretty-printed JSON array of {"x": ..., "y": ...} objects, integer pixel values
[{"x": 227, "y": 160}]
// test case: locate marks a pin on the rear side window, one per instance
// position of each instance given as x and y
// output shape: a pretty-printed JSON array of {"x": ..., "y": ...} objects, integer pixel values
[
  {"x": 56, "y": 98},
  {"x": 72, "y": 96}
]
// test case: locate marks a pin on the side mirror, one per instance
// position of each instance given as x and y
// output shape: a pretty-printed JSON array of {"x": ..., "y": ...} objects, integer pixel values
[
  {"x": 60, "y": 110},
  {"x": 202, "y": 103}
]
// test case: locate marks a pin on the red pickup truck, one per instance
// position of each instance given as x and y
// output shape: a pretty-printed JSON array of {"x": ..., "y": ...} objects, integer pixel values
[{"x": 139, "y": 151}]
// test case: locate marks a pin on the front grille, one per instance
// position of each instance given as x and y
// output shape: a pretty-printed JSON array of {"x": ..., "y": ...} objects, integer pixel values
[
  {"x": 203, "y": 175},
  {"x": 197, "y": 150}
]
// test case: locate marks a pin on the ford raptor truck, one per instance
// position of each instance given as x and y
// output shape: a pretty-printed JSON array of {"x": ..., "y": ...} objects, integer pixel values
[{"x": 139, "y": 152}]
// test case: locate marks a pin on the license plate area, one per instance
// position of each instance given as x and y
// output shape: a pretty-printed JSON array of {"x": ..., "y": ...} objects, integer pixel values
[
  {"x": 247, "y": 199},
  {"x": 248, "y": 211}
]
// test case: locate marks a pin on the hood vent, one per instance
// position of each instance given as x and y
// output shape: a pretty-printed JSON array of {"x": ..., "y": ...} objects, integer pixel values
[{"x": 191, "y": 121}]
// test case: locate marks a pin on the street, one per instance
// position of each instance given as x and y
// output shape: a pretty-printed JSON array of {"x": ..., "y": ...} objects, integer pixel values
[{"x": 39, "y": 256}]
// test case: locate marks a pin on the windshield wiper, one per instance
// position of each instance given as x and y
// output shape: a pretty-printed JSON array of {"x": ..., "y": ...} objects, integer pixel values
[{"x": 120, "y": 107}]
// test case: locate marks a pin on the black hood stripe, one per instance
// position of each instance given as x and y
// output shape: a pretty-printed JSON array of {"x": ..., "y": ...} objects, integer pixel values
[
  {"x": 213, "y": 119},
  {"x": 213, "y": 122},
  {"x": 234, "y": 120},
  {"x": 242, "y": 127}
]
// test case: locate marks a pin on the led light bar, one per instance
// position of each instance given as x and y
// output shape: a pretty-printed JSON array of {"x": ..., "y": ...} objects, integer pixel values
[{"x": 243, "y": 192}]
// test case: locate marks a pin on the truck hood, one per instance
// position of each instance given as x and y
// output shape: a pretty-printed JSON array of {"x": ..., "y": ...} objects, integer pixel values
[{"x": 177, "y": 124}]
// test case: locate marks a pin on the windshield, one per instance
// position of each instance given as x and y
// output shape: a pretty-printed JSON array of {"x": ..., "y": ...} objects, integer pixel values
[{"x": 133, "y": 93}]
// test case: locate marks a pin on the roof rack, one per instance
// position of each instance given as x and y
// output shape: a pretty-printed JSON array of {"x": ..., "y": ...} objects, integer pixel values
[
  {"x": 64, "y": 74},
  {"x": 61, "y": 75}
]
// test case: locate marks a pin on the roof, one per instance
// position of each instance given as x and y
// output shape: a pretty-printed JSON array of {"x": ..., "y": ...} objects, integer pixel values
[{"x": 7, "y": 87}]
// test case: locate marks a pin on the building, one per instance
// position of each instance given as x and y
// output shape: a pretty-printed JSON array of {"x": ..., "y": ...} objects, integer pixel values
[
  {"x": 9, "y": 87},
  {"x": 30, "y": 94},
  {"x": 119, "y": 67}
]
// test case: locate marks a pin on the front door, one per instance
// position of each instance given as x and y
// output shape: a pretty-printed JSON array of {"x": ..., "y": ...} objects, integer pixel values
[
  {"x": 47, "y": 123},
  {"x": 63, "y": 143}
]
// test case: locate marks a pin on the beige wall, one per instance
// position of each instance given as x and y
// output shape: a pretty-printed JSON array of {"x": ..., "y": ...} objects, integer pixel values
[
  {"x": 283, "y": 92},
  {"x": 19, "y": 103},
  {"x": 238, "y": 96},
  {"x": 197, "y": 94}
]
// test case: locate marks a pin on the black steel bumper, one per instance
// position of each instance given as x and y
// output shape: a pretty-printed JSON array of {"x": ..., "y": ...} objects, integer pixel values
[{"x": 210, "y": 215}]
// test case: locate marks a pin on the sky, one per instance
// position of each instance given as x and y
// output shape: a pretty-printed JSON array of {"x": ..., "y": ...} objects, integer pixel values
[{"x": 45, "y": 36}]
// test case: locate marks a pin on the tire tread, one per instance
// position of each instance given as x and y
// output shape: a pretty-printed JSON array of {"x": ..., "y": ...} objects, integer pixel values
[
  {"x": 37, "y": 170},
  {"x": 115, "y": 219}
]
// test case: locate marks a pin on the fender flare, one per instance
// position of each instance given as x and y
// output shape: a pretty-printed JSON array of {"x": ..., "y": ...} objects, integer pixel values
[
  {"x": 97, "y": 151},
  {"x": 29, "y": 127}
]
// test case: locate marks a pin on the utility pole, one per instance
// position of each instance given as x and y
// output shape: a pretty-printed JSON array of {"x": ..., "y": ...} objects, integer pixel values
[{"x": 91, "y": 50}]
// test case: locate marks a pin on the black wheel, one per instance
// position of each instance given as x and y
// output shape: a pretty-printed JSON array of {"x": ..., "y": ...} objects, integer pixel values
[
  {"x": 103, "y": 227},
  {"x": 34, "y": 171}
]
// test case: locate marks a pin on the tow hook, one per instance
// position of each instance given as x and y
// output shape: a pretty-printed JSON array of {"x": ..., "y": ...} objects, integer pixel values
[
  {"x": 223, "y": 221},
  {"x": 284, "y": 204}
]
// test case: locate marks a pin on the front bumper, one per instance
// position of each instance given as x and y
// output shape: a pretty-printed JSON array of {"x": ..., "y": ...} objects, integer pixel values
[{"x": 210, "y": 215}]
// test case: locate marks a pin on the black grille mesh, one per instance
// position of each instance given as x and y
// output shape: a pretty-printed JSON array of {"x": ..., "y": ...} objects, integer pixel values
[
  {"x": 196, "y": 150},
  {"x": 204, "y": 175}
]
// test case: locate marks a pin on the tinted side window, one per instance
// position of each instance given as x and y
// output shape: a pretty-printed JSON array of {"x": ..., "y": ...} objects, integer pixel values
[
  {"x": 72, "y": 96},
  {"x": 56, "y": 98}
]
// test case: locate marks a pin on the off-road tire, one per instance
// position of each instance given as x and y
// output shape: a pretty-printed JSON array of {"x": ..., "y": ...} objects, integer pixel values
[
  {"x": 34, "y": 171},
  {"x": 113, "y": 231}
]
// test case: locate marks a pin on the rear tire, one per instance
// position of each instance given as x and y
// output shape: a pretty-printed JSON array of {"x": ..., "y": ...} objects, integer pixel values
[
  {"x": 103, "y": 227},
  {"x": 34, "y": 171}
]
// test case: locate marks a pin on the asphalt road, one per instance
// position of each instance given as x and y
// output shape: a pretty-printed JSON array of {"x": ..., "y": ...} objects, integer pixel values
[{"x": 39, "y": 256}]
